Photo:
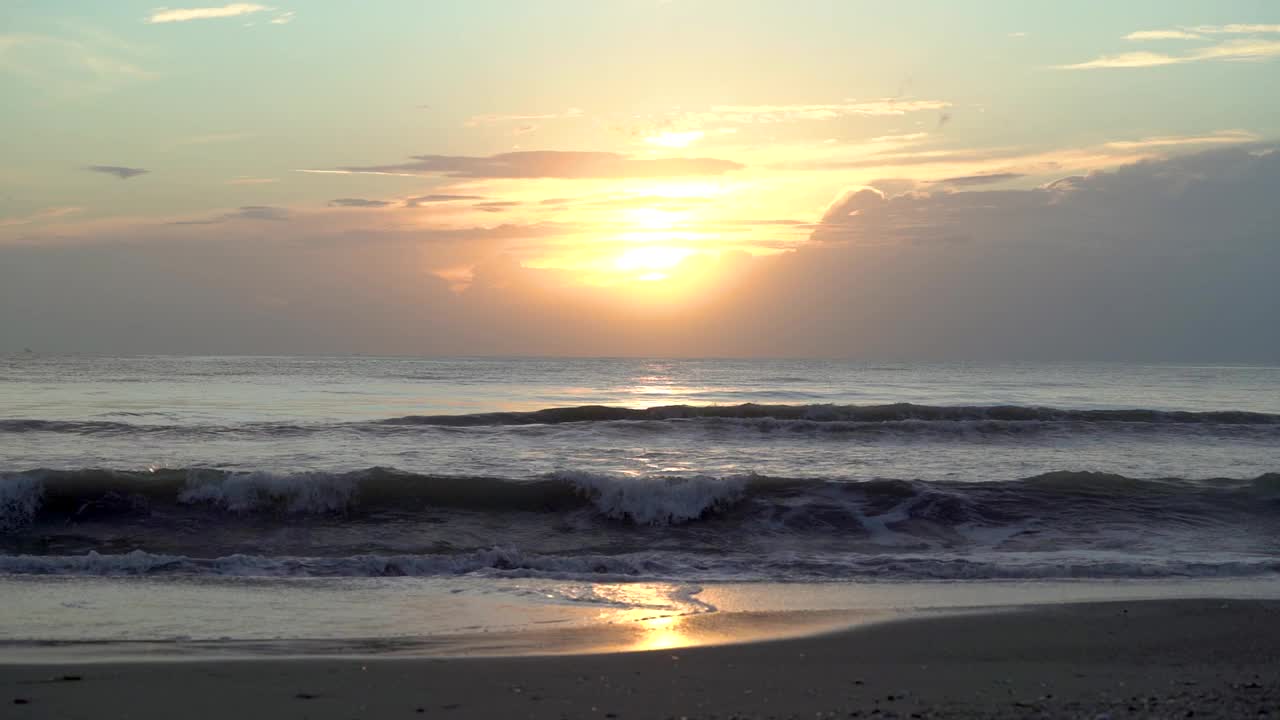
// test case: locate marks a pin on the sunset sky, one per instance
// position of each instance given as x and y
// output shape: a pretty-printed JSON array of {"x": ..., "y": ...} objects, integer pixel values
[{"x": 669, "y": 177}]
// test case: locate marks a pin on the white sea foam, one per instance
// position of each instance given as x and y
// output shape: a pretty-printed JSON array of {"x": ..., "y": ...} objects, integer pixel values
[{"x": 656, "y": 500}]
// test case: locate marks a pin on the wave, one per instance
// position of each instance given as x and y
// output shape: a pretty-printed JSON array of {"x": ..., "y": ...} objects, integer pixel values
[
  {"x": 870, "y": 421},
  {"x": 639, "y": 500},
  {"x": 98, "y": 492},
  {"x": 899, "y": 412},
  {"x": 513, "y": 563}
]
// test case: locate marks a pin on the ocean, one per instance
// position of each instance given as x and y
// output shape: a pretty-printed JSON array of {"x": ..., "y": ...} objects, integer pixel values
[{"x": 145, "y": 498}]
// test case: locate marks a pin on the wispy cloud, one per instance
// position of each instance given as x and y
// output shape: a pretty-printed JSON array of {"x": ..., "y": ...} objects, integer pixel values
[
  {"x": 1244, "y": 49},
  {"x": 1235, "y": 29},
  {"x": 1125, "y": 60},
  {"x": 120, "y": 171},
  {"x": 984, "y": 179},
  {"x": 824, "y": 111},
  {"x": 90, "y": 63},
  {"x": 496, "y": 205},
  {"x": 1254, "y": 48},
  {"x": 1223, "y": 137},
  {"x": 359, "y": 203},
  {"x": 962, "y": 167},
  {"x": 430, "y": 199},
  {"x": 343, "y": 171},
  {"x": 174, "y": 15},
  {"x": 43, "y": 215},
  {"x": 1162, "y": 35},
  {"x": 252, "y": 181},
  {"x": 497, "y": 119},
  {"x": 545, "y": 164},
  {"x": 167, "y": 15},
  {"x": 245, "y": 212}
]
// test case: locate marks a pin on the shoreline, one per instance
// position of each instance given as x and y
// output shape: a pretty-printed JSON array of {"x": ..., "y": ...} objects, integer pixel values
[
  {"x": 102, "y": 619},
  {"x": 1122, "y": 658}
]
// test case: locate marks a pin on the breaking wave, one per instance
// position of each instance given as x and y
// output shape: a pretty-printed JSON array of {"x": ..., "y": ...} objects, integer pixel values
[{"x": 654, "y": 500}]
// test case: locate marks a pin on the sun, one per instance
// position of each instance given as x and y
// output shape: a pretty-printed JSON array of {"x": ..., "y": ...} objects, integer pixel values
[{"x": 651, "y": 260}]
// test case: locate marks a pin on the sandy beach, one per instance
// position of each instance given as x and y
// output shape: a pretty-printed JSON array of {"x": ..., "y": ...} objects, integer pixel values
[{"x": 1132, "y": 659}]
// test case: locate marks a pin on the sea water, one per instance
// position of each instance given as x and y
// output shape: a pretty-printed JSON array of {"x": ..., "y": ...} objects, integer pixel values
[{"x": 621, "y": 486}]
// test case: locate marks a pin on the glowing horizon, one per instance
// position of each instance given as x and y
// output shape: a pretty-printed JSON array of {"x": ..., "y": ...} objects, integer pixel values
[{"x": 580, "y": 159}]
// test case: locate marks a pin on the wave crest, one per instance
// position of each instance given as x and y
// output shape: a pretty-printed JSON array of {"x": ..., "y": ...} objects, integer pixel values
[{"x": 656, "y": 500}]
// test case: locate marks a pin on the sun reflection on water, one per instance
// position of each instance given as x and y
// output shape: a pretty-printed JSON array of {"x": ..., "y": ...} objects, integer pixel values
[{"x": 657, "y": 612}]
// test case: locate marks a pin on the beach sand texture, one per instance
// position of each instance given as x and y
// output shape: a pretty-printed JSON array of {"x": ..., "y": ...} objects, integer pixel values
[{"x": 1131, "y": 659}]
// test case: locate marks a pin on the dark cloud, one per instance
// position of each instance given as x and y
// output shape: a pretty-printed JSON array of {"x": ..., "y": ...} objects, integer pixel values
[
  {"x": 1170, "y": 260},
  {"x": 246, "y": 212},
  {"x": 496, "y": 206},
  {"x": 985, "y": 179},
  {"x": 124, "y": 173},
  {"x": 260, "y": 212},
  {"x": 359, "y": 203},
  {"x": 552, "y": 164},
  {"x": 427, "y": 199}
]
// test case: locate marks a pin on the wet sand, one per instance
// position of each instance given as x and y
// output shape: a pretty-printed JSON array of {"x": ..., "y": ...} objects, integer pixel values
[{"x": 1130, "y": 659}]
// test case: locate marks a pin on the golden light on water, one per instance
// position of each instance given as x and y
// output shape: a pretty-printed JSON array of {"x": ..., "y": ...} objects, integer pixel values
[
  {"x": 657, "y": 613},
  {"x": 663, "y": 633}
]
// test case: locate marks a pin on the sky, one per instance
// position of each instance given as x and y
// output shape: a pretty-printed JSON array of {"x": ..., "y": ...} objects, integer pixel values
[{"x": 868, "y": 180}]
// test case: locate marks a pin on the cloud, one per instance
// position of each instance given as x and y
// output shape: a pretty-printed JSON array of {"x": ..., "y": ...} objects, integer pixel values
[
  {"x": 1222, "y": 137},
  {"x": 244, "y": 180},
  {"x": 1248, "y": 49},
  {"x": 245, "y": 212},
  {"x": 167, "y": 15},
  {"x": 1162, "y": 35},
  {"x": 496, "y": 119},
  {"x": 1198, "y": 32},
  {"x": 90, "y": 62},
  {"x": 548, "y": 164},
  {"x": 1159, "y": 260},
  {"x": 175, "y": 15},
  {"x": 359, "y": 203},
  {"x": 937, "y": 164},
  {"x": 1239, "y": 49},
  {"x": 496, "y": 206},
  {"x": 124, "y": 173},
  {"x": 428, "y": 199},
  {"x": 1236, "y": 29},
  {"x": 828, "y": 111},
  {"x": 985, "y": 179},
  {"x": 261, "y": 212},
  {"x": 1126, "y": 60},
  {"x": 46, "y": 214}
]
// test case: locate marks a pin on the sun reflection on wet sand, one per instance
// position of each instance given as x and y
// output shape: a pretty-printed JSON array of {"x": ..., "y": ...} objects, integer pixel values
[
  {"x": 663, "y": 633},
  {"x": 656, "y": 614}
]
